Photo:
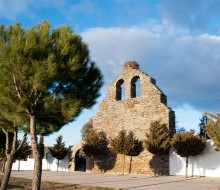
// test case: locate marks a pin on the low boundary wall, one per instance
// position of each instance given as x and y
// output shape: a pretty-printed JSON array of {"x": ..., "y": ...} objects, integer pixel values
[{"x": 206, "y": 164}]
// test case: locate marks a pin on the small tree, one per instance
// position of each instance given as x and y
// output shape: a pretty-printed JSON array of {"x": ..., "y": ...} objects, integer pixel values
[
  {"x": 119, "y": 146},
  {"x": 136, "y": 147},
  {"x": 125, "y": 144},
  {"x": 87, "y": 127},
  {"x": 58, "y": 151},
  {"x": 95, "y": 144},
  {"x": 202, "y": 124},
  {"x": 212, "y": 128},
  {"x": 187, "y": 144},
  {"x": 158, "y": 141}
]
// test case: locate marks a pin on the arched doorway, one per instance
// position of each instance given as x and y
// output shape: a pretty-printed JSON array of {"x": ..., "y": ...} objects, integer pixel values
[{"x": 80, "y": 161}]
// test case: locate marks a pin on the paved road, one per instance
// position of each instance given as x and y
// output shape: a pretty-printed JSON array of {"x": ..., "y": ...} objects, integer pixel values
[{"x": 132, "y": 182}]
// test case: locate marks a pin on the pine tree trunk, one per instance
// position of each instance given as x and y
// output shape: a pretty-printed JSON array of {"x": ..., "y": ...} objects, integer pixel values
[
  {"x": 58, "y": 163},
  {"x": 3, "y": 166},
  {"x": 7, "y": 172},
  {"x": 155, "y": 166},
  {"x": 92, "y": 170},
  {"x": 186, "y": 171},
  {"x": 123, "y": 165},
  {"x": 36, "y": 154},
  {"x": 130, "y": 165}
]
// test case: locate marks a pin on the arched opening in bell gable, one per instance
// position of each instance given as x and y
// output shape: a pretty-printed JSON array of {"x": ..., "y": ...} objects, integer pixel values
[
  {"x": 135, "y": 87},
  {"x": 120, "y": 90}
]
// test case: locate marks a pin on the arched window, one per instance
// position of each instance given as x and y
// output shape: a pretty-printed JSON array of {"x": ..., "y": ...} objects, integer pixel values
[
  {"x": 135, "y": 87},
  {"x": 120, "y": 90}
]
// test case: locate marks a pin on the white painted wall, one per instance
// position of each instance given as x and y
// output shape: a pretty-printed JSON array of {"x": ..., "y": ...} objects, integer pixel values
[
  {"x": 206, "y": 164},
  {"x": 49, "y": 163}
]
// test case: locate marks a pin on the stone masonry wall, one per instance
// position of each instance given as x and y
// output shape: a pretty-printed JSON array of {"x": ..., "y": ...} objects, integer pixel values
[{"x": 134, "y": 114}]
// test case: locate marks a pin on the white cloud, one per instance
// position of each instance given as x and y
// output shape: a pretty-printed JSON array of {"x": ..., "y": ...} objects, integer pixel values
[
  {"x": 11, "y": 8},
  {"x": 186, "y": 67},
  {"x": 196, "y": 15}
]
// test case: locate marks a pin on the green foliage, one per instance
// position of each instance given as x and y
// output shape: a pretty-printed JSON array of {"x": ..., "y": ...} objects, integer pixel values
[
  {"x": 47, "y": 74},
  {"x": 95, "y": 144},
  {"x": 136, "y": 145},
  {"x": 59, "y": 151},
  {"x": 119, "y": 143},
  {"x": 187, "y": 144},
  {"x": 23, "y": 152},
  {"x": 126, "y": 144},
  {"x": 213, "y": 129},
  {"x": 87, "y": 127},
  {"x": 158, "y": 139},
  {"x": 47, "y": 79},
  {"x": 202, "y": 124}
]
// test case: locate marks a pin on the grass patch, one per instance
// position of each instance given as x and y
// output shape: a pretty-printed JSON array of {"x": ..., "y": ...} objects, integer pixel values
[{"x": 25, "y": 184}]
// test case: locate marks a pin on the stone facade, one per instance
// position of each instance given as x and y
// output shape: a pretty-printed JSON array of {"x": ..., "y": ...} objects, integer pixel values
[{"x": 134, "y": 112}]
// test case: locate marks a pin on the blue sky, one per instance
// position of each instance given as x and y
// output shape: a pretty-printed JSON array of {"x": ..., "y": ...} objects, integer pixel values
[{"x": 175, "y": 42}]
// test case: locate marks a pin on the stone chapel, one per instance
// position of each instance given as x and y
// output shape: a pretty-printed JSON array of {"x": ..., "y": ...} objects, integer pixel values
[{"x": 132, "y": 102}]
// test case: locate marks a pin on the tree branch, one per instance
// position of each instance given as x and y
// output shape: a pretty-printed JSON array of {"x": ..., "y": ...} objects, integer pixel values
[
  {"x": 16, "y": 87},
  {"x": 22, "y": 142},
  {"x": 7, "y": 140},
  {"x": 14, "y": 139}
]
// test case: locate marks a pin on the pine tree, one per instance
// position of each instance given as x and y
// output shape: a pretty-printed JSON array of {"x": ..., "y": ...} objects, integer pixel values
[
  {"x": 47, "y": 77},
  {"x": 136, "y": 147},
  {"x": 95, "y": 144},
  {"x": 126, "y": 144},
  {"x": 87, "y": 127},
  {"x": 212, "y": 128},
  {"x": 59, "y": 151},
  {"x": 119, "y": 146},
  {"x": 202, "y": 124},
  {"x": 158, "y": 141},
  {"x": 187, "y": 144}
]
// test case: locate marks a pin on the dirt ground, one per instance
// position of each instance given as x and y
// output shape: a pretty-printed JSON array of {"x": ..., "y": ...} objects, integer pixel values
[{"x": 25, "y": 184}]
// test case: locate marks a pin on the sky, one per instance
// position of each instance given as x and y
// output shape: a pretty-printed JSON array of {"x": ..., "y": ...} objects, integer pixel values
[{"x": 175, "y": 42}]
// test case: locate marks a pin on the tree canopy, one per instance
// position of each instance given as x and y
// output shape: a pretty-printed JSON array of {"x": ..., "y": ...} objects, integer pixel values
[
  {"x": 95, "y": 144},
  {"x": 87, "y": 127},
  {"x": 158, "y": 140},
  {"x": 187, "y": 144},
  {"x": 136, "y": 145},
  {"x": 202, "y": 124},
  {"x": 47, "y": 77}
]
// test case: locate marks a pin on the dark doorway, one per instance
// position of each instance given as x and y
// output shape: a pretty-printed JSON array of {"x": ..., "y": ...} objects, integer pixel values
[{"x": 80, "y": 161}]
